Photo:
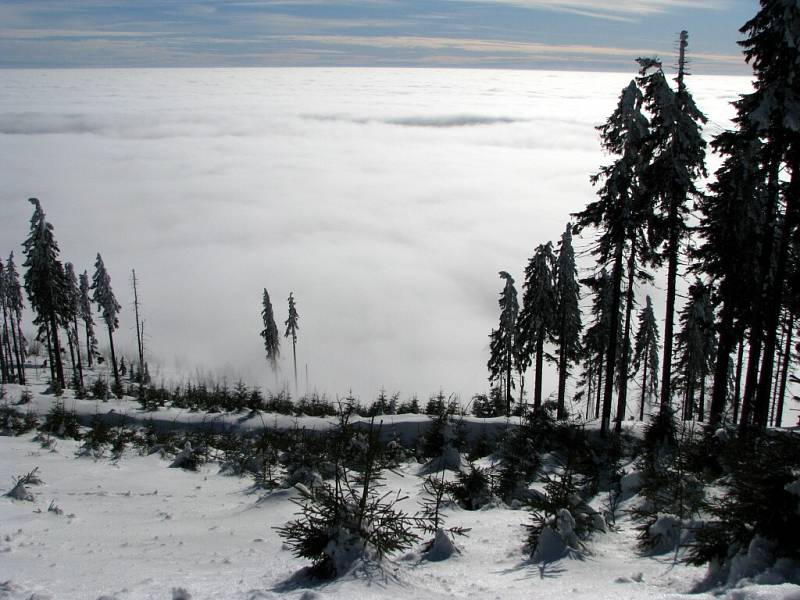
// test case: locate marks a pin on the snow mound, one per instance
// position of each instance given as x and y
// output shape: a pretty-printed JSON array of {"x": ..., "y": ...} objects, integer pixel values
[
  {"x": 550, "y": 547},
  {"x": 20, "y": 492},
  {"x": 442, "y": 547}
]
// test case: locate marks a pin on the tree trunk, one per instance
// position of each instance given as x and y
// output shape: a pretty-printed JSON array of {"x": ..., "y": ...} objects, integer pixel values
[
  {"x": 537, "y": 390},
  {"x": 294, "y": 359},
  {"x": 89, "y": 356},
  {"x": 562, "y": 375},
  {"x": 787, "y": 358},
  {"x": 611, "y": 359},
  {"x": 599, "y": 385},
  {"x": 669, "y": 318},
  {"x": 623, "y": 372},
  {"x": 644, "y": 386},
  {"x": 775, "y": 303},
  {"x": 725, "y": 345},
  {"x": 117, "y": 383},
  {"x": 59, "y": 366},
  {"x": 78, "y": 351},
  {"x": 508, "y": 382},
  {"x": 737, "y": 385},
  {"x": 18, "y": 349}
]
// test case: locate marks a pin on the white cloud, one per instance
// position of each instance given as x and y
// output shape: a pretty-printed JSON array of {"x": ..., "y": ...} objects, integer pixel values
[
  {"x": 386, "y": 200},
  {"x": 609, "y": 8}
]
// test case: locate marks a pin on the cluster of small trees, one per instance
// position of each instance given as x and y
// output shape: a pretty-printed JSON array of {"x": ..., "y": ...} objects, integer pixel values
[
  {"x": 272, "y": 342},
  {"x": 62, "y": 305},
  {"x": 739, "y": 239}
]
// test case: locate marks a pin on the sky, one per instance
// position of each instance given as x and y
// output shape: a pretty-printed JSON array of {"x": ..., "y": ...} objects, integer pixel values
[
  {"x": 604, "y": 35},
  {"x": 386, "y": 200}
]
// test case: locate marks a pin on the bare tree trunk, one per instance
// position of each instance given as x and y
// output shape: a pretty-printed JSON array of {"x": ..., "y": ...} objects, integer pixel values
[
  {"x": 623, "y": 372},
  {"x": 787, "y": 361},
  {"x": 737, "y": 385}
]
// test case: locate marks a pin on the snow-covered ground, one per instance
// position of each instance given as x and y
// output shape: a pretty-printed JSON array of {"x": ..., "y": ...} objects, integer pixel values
[{"x": 134, "y": 528}]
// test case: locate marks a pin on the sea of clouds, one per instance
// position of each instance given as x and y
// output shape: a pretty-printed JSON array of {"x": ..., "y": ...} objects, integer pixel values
[{"x": 385, "y": 200}]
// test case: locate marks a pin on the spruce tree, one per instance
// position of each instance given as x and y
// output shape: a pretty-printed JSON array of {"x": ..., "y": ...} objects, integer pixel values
[
  {"x": 15, "y": 305},
  {"x": 569, "y": 315},
  {"x": 595, "y": 341},
  {"x": 6, "y": 360},
  {"x": 70, "y": 320},
  {"x": 695, "y": 345},
  {"x": 537, "y": 320},
  {"x": 503, "y": 339},
  {"x": 45, "y": 285},
  {"x": 270, "y": 334},
  {"x": 730, "y": 214},
  {"x": 645, "y": 354},
  {"x": 107, "y": 304},
  {"x": 292, "y": 327},
  {"x": 770, "y": 113},
  {"x": 620, "y": 213},
  {"x": 85, "y": 311},
  {"x": 677, "y": 162}
]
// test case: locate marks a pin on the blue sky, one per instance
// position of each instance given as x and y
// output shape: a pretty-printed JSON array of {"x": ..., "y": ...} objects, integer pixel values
[{"x": 553, "y": 34}]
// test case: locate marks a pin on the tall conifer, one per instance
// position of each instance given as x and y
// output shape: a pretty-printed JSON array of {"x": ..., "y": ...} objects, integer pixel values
[
  {"x": 45, "y": 284},
  {"x": 109, "y": 308}
]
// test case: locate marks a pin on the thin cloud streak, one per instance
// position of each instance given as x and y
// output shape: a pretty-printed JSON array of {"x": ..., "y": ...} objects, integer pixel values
[{"x": 604, "y": 8}]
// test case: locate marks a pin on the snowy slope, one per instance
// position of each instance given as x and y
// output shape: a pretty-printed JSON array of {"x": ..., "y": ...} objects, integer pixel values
[{"x": 136, "y": 529}]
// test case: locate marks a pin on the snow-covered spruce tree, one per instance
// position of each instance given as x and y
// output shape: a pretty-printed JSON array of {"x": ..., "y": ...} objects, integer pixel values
[
  {"x": 645, "y": 354},
  {"x": 15, "y": 307},
  {"x": 292, "y": 327},
  {"x": 695, "y": 346},
  {"x": 755, "y": 522},
  {"x": 620, "y": 214},
  {"x": 85, "y": 310},
  {"x": 503, "y": 339},
  {"x": 537, "y": 320},
  {"x": 45, "y": 285},
  {"x": 472, "y": 488},
  {"x": 6, "y": 360},
  {"x": 595, "y": 342},
  {"x": 349, "y": 520},
  {"x": 568, "y": 317},
  {"x": 561, "y": 519},
  {"x": 430, "y": 519},
  {"x": 109, "y": 308},
  {"x": 70, "y": 323},
  {"x": 671, "y": 493},
  {"x": 731, "y": 213},
  {"x": 678, "y": 155},
  {"x": 270, "y": 334},
  {"x": 442, "y": 442},
  {"x": 770, "y": 115}
]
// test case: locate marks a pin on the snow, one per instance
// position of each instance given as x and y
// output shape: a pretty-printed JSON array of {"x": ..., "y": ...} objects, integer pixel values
[{"x": 133, "y": 529}]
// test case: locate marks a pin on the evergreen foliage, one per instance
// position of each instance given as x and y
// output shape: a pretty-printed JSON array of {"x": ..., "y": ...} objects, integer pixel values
[
  {"x": 568, "y": 316},
  {"x": 645, "y": 354},
  {"x": 503, "y": 339},
  {"x": 45, "y": 285},
  {"x": 292, "y": 327},
  {"x": 270, "y": 334},
  {"x": 103, "y": 296},
  {"x": 537, "y": 320}
]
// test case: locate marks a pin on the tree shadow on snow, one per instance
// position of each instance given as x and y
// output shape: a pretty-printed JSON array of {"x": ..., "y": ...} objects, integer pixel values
[{"x": 366, "y": 572}]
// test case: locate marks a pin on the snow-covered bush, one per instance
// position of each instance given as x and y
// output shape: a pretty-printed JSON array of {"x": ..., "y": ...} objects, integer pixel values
[
  {"x": 435, "y": 496},
  {"x": 61, "y": 422},
  {"x": 442, "y": 442},
  {"x": 760, "y": 505},
  {"x": 348, "y": 520},
  {"x": 671, "y": 494},
  {"x": 472, "y": 488},
  {"x": 560, "y": 512}
]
